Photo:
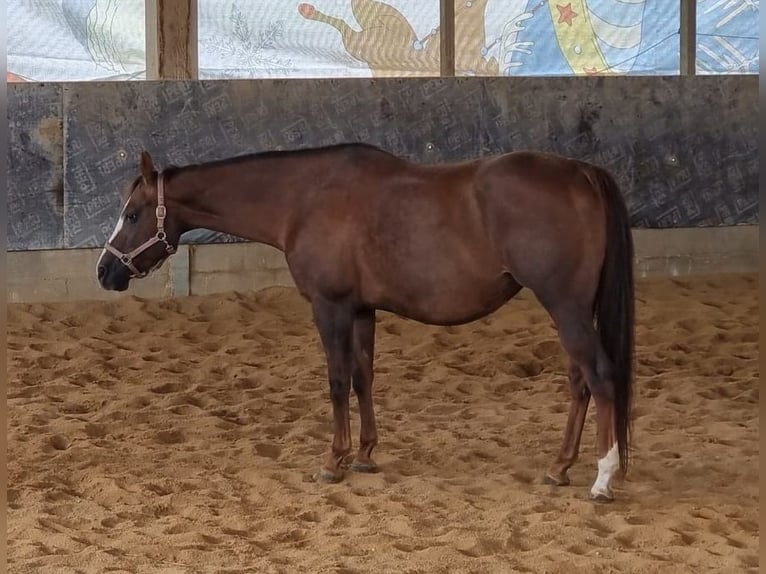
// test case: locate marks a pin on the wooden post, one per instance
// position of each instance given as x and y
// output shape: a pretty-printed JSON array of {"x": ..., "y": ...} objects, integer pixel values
[
  {"x": 688, "y": 37},
  {"x": 171, "y": 40},
  {"x": 447, "y": 37}
]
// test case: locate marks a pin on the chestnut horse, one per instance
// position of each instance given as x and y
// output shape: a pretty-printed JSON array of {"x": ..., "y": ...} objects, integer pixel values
[{"x": 445, "y": 244}]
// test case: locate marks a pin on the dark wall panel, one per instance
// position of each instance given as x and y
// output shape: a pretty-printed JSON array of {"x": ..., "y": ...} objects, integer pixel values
[
  {"x": 684, "y": 149},
  {"x": 35, "y": 168}
]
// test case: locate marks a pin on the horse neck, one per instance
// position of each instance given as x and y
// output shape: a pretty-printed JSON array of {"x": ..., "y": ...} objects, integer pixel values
[{"x": 247, "y": 199}]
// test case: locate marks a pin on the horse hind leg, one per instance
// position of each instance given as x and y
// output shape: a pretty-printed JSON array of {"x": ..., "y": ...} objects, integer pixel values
[
  {"x": 580, "y": 340},
  {"x": 578, "y": 408}
]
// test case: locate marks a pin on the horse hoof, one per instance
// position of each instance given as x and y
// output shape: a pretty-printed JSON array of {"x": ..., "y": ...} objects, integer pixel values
[
  {"x": 601, "y": 497},
  {"x": 368, "y": 467},
  {"x": 325, "y": 476},
  {"x": 561, "y": 480}
]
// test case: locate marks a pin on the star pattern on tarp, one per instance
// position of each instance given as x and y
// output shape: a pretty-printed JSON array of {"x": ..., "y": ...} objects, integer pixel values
[{"x": 566, "y": 14}]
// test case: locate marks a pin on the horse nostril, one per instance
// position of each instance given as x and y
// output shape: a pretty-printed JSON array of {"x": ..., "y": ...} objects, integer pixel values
[{"x": 101, "y": 271}]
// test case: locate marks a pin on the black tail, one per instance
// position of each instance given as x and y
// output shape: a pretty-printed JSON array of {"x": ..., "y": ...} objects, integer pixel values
[{"x": 615, "y": 305}]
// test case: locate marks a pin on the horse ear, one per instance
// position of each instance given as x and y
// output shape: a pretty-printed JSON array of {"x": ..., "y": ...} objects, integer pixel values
[{"x": 147, "y": 166}]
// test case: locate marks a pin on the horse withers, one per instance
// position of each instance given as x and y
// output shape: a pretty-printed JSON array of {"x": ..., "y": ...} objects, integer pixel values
[{"x": 363, "y": 230}]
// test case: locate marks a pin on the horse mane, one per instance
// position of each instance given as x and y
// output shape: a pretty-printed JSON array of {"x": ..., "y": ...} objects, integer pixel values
[{"x": 271, "y": 154}]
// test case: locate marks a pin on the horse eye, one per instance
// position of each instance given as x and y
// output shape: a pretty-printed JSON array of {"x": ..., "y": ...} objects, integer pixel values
[{"x": 131, "y": 218}]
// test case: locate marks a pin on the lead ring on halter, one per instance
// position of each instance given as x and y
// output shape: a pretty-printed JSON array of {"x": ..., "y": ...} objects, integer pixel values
[{"x": 159, "y": 237}]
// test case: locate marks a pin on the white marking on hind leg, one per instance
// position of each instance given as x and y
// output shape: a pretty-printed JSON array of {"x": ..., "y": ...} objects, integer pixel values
[{"x": 607, "y": 468}]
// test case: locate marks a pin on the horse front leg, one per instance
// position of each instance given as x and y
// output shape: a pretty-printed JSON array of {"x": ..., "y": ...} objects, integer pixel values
[
  {"x": 362, "y": 377},
  {"x": 335, "y": 323}
]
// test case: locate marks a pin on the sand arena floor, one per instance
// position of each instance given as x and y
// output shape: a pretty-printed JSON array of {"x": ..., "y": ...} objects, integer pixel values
[{"x": 178, "y": 436}]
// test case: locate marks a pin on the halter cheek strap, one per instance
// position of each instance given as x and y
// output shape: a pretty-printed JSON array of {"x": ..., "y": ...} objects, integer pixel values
[{"x": 159, "y": 237}]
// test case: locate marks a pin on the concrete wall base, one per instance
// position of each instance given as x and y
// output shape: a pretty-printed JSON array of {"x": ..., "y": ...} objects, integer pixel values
[{"x": 69, "y": 275}]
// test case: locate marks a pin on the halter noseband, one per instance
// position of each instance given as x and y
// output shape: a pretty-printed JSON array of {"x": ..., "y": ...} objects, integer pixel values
[{"x": 159, "y": 237}]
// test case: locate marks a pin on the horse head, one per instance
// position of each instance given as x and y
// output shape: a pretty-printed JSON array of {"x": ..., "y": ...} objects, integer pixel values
[{"x": 145, "y": 234}]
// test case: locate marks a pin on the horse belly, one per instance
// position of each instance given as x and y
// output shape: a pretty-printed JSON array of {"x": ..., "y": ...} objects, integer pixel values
[
  {"x": 427, "y": 257},
  {"x": 443, "y": 300}
]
